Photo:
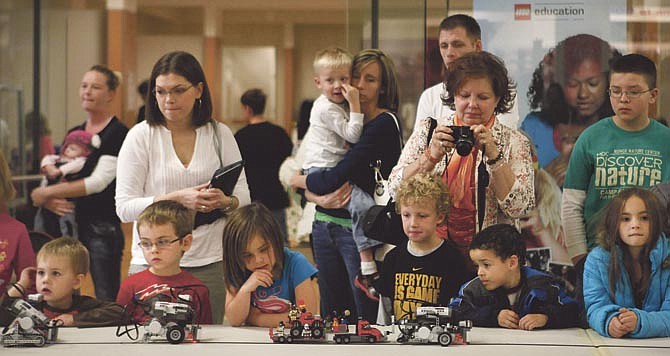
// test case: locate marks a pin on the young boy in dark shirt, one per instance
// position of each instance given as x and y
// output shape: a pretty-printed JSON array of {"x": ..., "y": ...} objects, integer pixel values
[
  {"x": 428, "y": 270},
  {"x": 62, "y": 265},
  {"x": 508, "y": 294}
]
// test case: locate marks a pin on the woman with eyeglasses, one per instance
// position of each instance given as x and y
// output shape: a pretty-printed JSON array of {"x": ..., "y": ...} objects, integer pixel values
[
  {"x": 568, "y": 93},
  {"x": 172, "y": 156},
  {"x": 98, "y": 227}
]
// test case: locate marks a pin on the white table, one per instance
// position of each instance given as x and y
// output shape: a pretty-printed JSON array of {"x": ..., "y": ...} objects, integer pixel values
[
  {"x": 228, "y": 341},
  {"x": 601, "y": 341}
]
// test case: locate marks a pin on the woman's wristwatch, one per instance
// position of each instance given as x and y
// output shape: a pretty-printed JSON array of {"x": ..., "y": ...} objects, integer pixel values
[{"x": 230, "y": 205}]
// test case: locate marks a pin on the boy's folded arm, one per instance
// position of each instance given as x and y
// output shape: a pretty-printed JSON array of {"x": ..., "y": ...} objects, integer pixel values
[{"x": 96, "y": 312}]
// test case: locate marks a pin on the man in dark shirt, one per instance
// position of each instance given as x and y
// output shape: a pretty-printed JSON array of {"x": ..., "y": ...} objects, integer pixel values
[{"x": 264, "y": 146}]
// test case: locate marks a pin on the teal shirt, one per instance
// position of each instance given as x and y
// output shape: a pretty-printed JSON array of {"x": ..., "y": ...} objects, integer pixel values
[{"x": 607, "y": 159}]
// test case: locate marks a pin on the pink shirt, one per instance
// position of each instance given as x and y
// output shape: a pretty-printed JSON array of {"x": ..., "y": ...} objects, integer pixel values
[{"x": 16, "y": 251}]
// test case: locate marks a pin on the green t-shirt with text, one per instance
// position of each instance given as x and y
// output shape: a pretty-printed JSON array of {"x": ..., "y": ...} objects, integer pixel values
[{"x": 607, "y": 159}]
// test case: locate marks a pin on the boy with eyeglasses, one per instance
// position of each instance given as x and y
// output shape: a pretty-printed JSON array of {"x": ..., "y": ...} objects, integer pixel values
[
  {"x": 626, "y": 150},
  {"x": 165, "y": 229}
]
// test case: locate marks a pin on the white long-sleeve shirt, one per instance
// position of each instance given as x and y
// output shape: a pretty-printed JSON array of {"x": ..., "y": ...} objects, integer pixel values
[
  {"x": 330, "y": 129},
  {"x": 149, "y": 167}
]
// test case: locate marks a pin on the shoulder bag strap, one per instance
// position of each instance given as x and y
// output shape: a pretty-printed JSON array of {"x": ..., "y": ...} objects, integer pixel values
[
  {"x": 217, "y": 141},
  {"x": 397, "y": 125}
]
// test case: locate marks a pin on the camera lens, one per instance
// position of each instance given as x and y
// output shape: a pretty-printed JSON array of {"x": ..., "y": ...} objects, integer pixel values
[
  {"x": 463, "y": 139},
  {"x": 463, "y": 147}
]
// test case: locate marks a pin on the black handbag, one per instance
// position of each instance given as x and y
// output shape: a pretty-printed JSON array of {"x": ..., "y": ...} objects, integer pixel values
[{"x": 382, "y": 222}]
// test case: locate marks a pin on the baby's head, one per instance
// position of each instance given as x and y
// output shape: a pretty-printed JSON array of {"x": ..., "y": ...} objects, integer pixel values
[
  {"x": 332, "y": 68},
  {"x": 252, "y": 240},
  {"x": 499, "y": 251},
  {"x": 79, "y": 143},
  {"x": 62, "y": 265}
]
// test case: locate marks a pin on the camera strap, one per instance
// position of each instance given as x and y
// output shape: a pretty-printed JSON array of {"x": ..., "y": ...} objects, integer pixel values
[{"x": 482, "y": 183}]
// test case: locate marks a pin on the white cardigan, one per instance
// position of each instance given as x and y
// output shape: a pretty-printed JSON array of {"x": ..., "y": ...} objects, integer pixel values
[{"x": 148, "y": 167}]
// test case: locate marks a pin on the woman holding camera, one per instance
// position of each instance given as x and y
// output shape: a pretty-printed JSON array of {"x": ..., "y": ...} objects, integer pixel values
[{"x": 478, "y": 89}]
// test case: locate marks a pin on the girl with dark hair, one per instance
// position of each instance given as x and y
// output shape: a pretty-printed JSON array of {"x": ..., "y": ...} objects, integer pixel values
[
  {"x": 263, "y": 278},
  {"x": 171, "y": 156},
  {"x": 627, "y": 277},
  {"x": 98, "y": 226}
]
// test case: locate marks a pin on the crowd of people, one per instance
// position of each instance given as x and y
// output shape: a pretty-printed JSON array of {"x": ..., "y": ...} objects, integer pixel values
[{"x": 488, "y": 210}]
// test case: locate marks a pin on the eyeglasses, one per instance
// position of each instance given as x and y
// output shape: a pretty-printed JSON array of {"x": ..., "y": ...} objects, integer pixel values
[
  {"x": 617, "y": 92},
  {"x": 175, "y": 92},
  {"x": 161, "y": 244}
]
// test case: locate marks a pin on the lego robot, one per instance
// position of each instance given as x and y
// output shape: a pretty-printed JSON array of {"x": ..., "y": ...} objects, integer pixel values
[
  {"x": 30, "y": 327},
  {"x": 433, "y": 326},
  {"x": 172, "y": 320}
]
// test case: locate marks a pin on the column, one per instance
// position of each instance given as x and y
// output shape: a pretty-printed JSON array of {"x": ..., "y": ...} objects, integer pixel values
[
  {"x": 288, "y": 87},
  {"x": 122, "y": 55},
  {"x": 212, "y": 64}
]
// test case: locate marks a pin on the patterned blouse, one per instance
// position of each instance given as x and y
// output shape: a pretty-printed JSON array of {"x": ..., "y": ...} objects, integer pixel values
[{"x": 516, "y": 149}]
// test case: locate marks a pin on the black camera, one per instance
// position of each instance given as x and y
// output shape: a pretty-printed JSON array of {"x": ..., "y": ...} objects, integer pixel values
[{"x": 464, "y": 139}]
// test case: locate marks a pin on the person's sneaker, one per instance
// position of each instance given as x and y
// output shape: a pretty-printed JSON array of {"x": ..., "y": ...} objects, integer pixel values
[{"x": 365, "y": 284}]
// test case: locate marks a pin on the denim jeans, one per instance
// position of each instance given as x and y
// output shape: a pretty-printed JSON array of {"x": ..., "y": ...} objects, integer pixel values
[
  {"x": 56, "y": 226},
  {"x": 104, "y": 241},
  {"x": 338, "y": 261},
  {"x": 358, "y": 206}
]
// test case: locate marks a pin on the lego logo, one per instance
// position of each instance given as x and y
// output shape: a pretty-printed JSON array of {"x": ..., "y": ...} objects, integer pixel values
[{"x": 521, "y": 12}]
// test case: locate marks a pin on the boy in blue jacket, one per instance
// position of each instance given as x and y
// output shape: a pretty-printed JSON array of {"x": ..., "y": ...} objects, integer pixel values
[{"x": 508, "y": 294}]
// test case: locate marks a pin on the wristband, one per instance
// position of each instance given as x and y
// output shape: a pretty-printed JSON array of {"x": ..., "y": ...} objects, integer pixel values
[
  {"x": 430, "y": 158},
  {"x": 495, "y": 160},
  {"x": 19, "y": 288}
]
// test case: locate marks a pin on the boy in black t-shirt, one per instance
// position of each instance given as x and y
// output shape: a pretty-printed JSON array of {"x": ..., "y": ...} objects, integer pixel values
[{"x": 428, "y": 270}]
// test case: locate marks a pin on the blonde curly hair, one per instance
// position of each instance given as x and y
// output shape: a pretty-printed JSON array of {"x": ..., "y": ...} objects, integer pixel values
[{"x": 422, "y": 188}]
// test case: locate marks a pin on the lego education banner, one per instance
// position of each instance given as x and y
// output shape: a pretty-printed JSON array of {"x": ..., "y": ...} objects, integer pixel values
[
  {"x": 522, "y": 32},
  {"x": 558, "y": 54}
]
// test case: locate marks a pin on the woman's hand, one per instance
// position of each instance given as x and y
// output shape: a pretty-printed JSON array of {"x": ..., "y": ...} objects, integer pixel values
[
  {"x": 484, "y": 140},
  {"x": 335, "y": 200},
  {"x": 211, "y": 199},
  {"x": 441, "y": 142},
  {"x": 59, "y": 206},
  {"x": 39, "y": 196},
  {"x": 189, "y": 197}
]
